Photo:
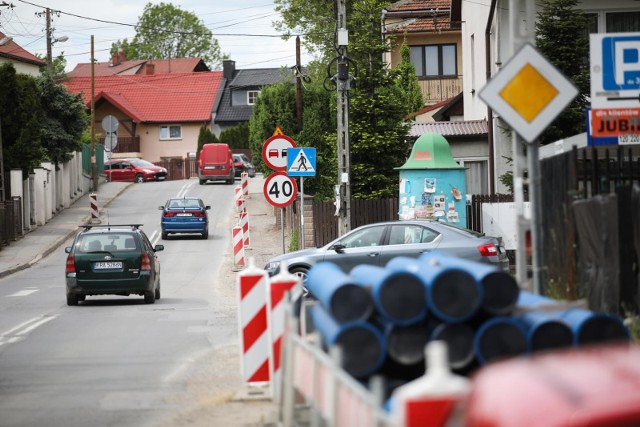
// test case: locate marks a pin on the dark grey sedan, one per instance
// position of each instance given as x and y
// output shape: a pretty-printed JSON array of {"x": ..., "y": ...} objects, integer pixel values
[{"x": 376, "y": 244}]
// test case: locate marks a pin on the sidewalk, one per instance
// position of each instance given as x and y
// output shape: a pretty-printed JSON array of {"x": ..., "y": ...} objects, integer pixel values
[{"x": 47, "y": 238}]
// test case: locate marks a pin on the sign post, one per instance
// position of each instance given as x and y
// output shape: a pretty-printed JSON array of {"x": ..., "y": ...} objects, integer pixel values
[
  {"x": 301, "y": 162},
  {"x": 528, "y": 93},
  {"x": 279, "y": 190}
]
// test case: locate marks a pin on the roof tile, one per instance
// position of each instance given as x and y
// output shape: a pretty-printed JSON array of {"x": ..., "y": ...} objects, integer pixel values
[
  {"x": 14, "y": 51},
  {"x": 155, "y": 98},
  {"x": 461, "y": 128}
]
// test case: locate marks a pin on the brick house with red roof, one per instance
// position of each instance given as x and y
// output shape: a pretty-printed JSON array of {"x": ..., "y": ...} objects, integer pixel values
[
  {"x": 159, "y": 115},
  {"x": 23, "y": 61}
]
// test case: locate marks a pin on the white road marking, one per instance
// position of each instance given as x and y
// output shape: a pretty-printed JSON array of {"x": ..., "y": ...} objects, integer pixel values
[
  {"x": 154, "y": 237},
  {"x": 185, "y": 188},
  {"x": 22, "y": 293},
  {"x": 19, "y": 332}
]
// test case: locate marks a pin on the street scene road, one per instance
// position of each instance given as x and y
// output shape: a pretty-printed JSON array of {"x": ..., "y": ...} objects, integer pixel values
[{"x": 114, "y": 360}]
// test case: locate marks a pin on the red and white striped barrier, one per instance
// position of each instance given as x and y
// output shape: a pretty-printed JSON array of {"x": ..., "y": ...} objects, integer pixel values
[
  {"x": 240, "y": 205},
  {"x": 279, "y": 285},
  {"x": 238, "y": 248},
  {"x": 252, "y": 286},
  {"x": 244, "y": 182},
  {"x": 95, "y": 214},
  {"x": 237, "y": 190},
  {"x": 244, "y": 224}
]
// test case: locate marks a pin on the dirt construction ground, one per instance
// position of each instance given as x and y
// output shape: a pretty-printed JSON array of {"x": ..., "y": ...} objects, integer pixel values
[{"x": 216, "y": 394}]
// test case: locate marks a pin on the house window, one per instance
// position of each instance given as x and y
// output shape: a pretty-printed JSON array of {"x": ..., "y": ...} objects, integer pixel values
[
  {"x": 252, "y": 95},
  {"x": 613, "y": 22},
  {"x": 171, "y": 132},
  {"x": 477, "y": 176},
  {"x": 435, "y": 60}
]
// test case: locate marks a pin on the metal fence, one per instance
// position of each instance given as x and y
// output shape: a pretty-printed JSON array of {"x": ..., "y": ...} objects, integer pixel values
[{"x": 11, "y": 228}]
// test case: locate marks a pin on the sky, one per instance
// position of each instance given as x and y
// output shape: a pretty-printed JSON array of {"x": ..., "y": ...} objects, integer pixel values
[{"x": 243, "y": 28}]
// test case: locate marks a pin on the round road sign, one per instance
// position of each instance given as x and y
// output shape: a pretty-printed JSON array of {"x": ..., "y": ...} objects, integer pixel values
[
  {"x": 280, "y": 190},
  {"x": 274, "y": 151}
]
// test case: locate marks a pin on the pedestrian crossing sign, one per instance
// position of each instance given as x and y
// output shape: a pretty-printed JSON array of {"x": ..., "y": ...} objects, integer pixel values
[{"x": 301, "y": 161}]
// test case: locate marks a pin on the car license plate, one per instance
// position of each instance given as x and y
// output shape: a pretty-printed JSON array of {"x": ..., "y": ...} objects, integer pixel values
[
  {"x": 184, "y": 214},
  {"x": 161, "y": 178},
  {"x": 106, "y": 265},
  {"x": 214, "y": 167}
]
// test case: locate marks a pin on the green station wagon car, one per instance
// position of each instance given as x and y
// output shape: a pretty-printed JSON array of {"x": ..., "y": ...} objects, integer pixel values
[{"x": 112, "y": 260}]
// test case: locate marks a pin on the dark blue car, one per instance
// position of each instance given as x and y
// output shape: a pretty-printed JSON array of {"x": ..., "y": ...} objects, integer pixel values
[{"x": 185, "y": 215}]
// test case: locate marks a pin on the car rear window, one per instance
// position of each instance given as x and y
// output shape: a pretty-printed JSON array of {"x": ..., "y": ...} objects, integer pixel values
[
  {"x": 184, "y": 204},
  {"x": 106, "y": 242}
]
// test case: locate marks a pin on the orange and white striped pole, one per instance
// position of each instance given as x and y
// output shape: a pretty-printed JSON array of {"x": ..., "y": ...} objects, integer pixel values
[{"x": 238, "y": 248}]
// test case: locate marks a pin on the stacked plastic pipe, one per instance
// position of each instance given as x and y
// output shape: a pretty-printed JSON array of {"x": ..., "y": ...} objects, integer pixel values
[{"x": 382, "y": 317}]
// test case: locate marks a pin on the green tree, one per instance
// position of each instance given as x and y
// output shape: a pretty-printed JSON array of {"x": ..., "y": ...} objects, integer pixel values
[
  {"x": 205, "y": 137},
  {"x": 58, "y": 66},
  {"x": 407, "y": 82},
  {"x": 236, "y": 137},
  {"x": 165, "y": 31},
  {"x": 65, "y": 119},
  {"x": 377, "y": 100},
  {"x": 21, "y": 114},
  {"x": 561, "y": 36}
]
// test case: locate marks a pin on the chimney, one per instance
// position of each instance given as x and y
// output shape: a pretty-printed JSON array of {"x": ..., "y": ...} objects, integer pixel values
[
  {"x": 114, "y": 60},
  {"x": 149, "y": 68},
  {"x": 228, "y": 69},
  {"x": 122, "y": 56}
]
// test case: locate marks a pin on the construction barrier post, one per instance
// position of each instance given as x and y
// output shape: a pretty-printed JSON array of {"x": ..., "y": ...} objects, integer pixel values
[
  {"x": 252, "y": 318},
  {"x": 244, "y": 224},
  {"x": 244, "y": 182},
  {"x": 238, "y": 249},
  {"x": 95, "y": 215},
  {"x": 280, "y": 285}
]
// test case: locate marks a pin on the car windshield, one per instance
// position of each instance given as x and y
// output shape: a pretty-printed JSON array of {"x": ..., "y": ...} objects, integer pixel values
[
  {"x": 106, "y": 242},
  {"x": 141, "y": 163},
  {"x": 184, "y": 204}
]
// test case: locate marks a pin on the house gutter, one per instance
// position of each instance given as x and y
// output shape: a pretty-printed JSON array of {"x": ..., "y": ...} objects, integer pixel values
[{"x": 487, "y": 49}]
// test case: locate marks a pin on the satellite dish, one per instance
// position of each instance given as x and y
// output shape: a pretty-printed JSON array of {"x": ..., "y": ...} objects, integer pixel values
[{"x": 110, "y": 124}]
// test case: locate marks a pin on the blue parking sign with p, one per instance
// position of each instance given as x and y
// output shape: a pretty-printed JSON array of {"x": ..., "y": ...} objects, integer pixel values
[{"x": 621, "y": 63}]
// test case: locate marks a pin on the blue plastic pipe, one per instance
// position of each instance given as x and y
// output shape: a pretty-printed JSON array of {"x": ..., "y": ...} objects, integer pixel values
[
  {"x": 590, "y": 327},
  {"x": 500, "y": 337},
  {"x": 453, "y": 295},
  {"x": 337, "y": 292},
  {"x": 546, "y": 331},
  {"x": 499, "y": 289},
  {"x": 363, "y": 346},
  {"x": 399, "y": 297}
]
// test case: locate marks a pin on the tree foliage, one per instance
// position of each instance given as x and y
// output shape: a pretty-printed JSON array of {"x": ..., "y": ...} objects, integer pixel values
[
  {"x": 21, "y": 115},
  {"x": 165, "y": 31},
  {"x": 236, "y": 137},
  {"x": 561, "y": 36},
  {"x": 377, "y": 100},
  {"x": 64, "y": 121},
  {"x": 205, "y": 137}
]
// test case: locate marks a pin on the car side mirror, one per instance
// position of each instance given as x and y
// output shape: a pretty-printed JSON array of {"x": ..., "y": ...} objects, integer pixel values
[
  {"x": 67, "y": 249},
  {"x": 206, "y": 208},
  {"x": 339, "y": 248},
  {"x": 160, "y": 208},
  {"x": 158, "y": 248}
]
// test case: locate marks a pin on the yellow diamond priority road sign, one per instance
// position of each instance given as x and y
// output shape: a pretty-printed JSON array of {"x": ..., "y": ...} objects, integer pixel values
[{"x": 528, "y": 92}]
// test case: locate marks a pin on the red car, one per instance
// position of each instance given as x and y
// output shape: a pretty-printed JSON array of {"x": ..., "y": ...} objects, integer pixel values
[{"x": 133, "y": 170}]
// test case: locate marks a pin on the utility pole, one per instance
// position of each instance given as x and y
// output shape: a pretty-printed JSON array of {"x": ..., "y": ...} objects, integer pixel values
[
  {"x": 3, "y": 195},
  {"x": 49, "y": 41},
  {"x": 94, "y": 166},
  {"x": 298, "y": 85},
  {"x": 343, "y": 188}
]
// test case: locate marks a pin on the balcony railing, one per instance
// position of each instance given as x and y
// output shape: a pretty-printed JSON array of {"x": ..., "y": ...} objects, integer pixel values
[
  {"x": 438, "y": 89},
  {"x": 126, "y": 144}
]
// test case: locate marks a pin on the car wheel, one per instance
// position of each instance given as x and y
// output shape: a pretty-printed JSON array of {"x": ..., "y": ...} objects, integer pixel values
[
  {"x": 302, "y": 273},
  {"x": 72, "y": 299},
  {"x": 149, "y": 297},
  {"x": 252, "y": 173},
  {"x": 230, "y": 181},
  {"x": 205, "y": 234},
  {"x": 203, "y": 181},
  {"x": 81, "y": 297},
  {"x": 157, "y": 295},
  {"x": 139, "y": 178}
]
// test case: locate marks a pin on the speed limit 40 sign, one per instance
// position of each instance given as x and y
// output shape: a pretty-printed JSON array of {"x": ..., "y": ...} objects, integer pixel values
[{"x": 280, "y": 190}]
